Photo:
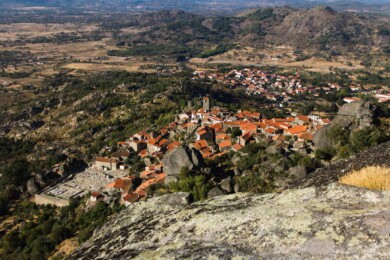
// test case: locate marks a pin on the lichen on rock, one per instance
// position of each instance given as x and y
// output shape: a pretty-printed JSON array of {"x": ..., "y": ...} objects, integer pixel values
[{"x": 333, "y": 221}]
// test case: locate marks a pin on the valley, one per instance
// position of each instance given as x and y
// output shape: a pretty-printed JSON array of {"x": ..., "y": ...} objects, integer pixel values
[{"x": 108, "y": 111}]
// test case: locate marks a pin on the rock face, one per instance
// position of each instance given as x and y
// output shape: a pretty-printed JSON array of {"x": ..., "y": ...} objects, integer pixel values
[
  {"x": 355, "y": 115},
  {"x": 32, "y": 186},
  {"x": 182, "y": 157},
  {"x": 334, "y": 222},
  {"x": 298, "y": 172}
]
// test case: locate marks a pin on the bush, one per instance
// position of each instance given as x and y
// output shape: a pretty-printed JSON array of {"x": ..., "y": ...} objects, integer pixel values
[
  {"x": 325, "y": 154},
  {"x": 254, "y": 183},
  {"x": 365, "y": 138},
  {"x": 236, "y": 132},
  {"x": 338, "y": 135},
  {"x": 11, "y": 242},
  {"x": 198, "y": 186},
  {"x": 59, "y": 233},
  {"x": 308, "y": 162}
]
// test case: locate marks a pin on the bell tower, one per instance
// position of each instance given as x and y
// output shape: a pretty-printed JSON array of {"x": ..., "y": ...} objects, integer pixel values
[{"x": 206, "y": 104}]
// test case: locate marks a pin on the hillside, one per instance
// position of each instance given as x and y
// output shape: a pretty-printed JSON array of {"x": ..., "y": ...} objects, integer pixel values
[
  {"x": 319, "y": 29},
  {"x": 333, "y": 221}
]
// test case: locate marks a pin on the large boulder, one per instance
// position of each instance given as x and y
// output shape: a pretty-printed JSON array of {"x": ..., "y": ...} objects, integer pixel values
[
  {"x": 226, "y": 185},
  {"x": 355, "y": 115},
  {"x": 216, "y": 192},
  {"x": 275, "y": 149},
  {"x": 298, "y": 172},
  {"x": 178, "y": 199},
  {"x": 180, "y": 157},
  {"x": 3, "y": 131},
  {"x": 32, "y": 186},
  {"x": 321, "y": 138}
]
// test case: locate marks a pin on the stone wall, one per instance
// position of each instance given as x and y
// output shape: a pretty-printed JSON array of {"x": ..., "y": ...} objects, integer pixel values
[{"x": 43, "y": 199}]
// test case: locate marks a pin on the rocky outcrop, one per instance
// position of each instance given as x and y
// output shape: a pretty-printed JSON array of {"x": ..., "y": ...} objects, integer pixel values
[
  {"x": 335, "y": 222},
  {"x": 180, "y": 157},
  {"x": 274, "y": 149},
  {"x": 226, "y": 185},
  {"x": 355, "y": 115},
  {"x": 178, "y": 199},
  {"x": 32, "y": 186}
]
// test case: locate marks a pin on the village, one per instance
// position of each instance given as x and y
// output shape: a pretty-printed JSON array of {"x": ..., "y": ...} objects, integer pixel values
[
  {"x": 213, "y": 131},
  {"x": 282, "y": 89}
]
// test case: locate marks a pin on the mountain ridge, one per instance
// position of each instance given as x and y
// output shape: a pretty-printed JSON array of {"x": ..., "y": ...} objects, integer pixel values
[{"x": 202, "y": 6}]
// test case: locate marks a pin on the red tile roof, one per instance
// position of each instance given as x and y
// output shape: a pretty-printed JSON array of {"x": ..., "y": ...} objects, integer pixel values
[
  {"x": 225, "y": 144},
  {"x": 303, "y": 118},
  {"x": 297, "y": 129},
  {"x": 200, "y": 144},
  {"x": 237, "y": 147},
  {"x": 306, "y": 136},
  {"x": 248, "y": 127},
  {"x": 106, "y": 160}
]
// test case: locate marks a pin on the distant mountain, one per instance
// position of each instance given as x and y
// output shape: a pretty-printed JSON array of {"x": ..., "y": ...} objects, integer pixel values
[
  {"x": 198, "y": 6},
  {"x": 315, "y": 30}
]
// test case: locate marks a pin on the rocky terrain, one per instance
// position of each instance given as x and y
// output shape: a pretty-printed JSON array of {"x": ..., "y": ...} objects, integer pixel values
[
  {"x": 330, "y": 222},
  {"x": 378, "y": 156},
  {"x": 315, "y": 218}
]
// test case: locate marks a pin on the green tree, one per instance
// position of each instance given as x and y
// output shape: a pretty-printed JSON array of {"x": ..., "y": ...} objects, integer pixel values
[
  {"x": 364, "y": 138},
  {"x": 11, "y": 242},
  {"x": 59, "y": 233},
  {"x": 236, "y": 132}
]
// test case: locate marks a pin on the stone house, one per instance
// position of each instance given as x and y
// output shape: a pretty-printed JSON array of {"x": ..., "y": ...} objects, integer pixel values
[
  {"x": 206, "y": 133},
  {"x": 106, "y": 163},
  {"x": 137, "y": 145}
]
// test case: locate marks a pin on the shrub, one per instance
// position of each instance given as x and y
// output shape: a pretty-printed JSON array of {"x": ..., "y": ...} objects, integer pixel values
[
  {"x": 198, "y": 186},
  {"x": 236, "y": 132},
  {"x": 338, "y": 135},
  {"x": 308, "y": 162},
  {"x": 365, "y": 138},
  {"x": 325, "y": 154},
  {"x": 254, "y": 183}
]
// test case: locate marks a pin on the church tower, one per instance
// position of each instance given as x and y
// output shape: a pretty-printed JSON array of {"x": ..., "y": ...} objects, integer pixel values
[{"x": 206, "y": 104}]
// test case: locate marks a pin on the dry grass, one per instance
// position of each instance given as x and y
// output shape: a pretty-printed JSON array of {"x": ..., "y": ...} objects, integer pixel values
[
  {"x": 31, "y": 30},
  {"x": 373, "y": 177}
]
